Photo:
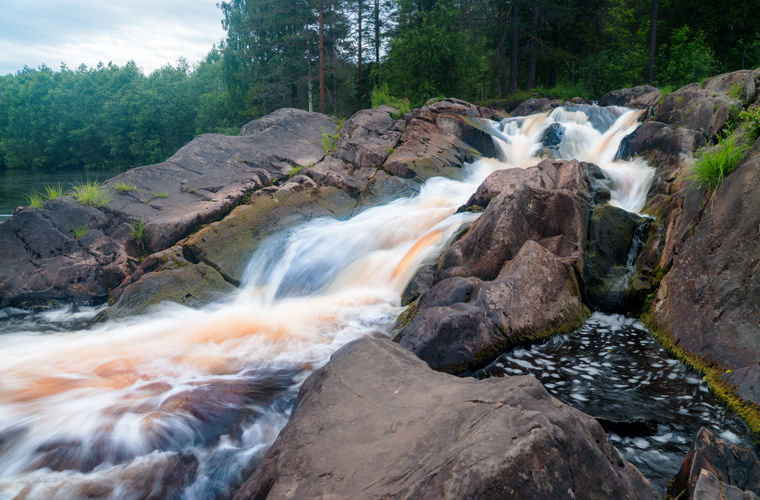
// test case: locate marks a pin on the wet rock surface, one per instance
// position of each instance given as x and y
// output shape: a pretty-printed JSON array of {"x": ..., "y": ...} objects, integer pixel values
[
  {"x": 641, "y": 97},
  {"x": 508, "y": 279},
  {"x": 708, "y": 300},
  {"x": 716, "y": 468},
  {"x": 376, "y": 420},
  {"x": 44, "y": 261}
]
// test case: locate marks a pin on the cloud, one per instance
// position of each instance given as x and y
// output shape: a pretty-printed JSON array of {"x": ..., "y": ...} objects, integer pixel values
[{"x": 152, "y": 33}]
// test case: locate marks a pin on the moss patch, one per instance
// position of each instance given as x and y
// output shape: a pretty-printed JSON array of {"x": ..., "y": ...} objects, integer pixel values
[{"x": 711, "y": 372}]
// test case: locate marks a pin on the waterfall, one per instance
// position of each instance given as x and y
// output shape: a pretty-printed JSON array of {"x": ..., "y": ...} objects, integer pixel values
[{"x": 214, "y": 386}]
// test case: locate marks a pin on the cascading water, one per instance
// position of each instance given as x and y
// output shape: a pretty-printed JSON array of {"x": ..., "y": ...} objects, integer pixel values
[{"x": 206, "y": 391}]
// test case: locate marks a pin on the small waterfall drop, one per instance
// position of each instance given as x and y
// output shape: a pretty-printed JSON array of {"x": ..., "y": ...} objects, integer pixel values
[{"x": 210, "y": 388}]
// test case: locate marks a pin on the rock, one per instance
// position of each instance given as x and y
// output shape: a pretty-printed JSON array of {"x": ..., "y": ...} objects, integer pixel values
[
  {"x": 421, "y": 282},
  {"x": 707, "y": 302},
  {"x": 738, "y": 84},
  {"x": 660, "y": 143},
  {"x": 552, "y": 136},
  {"x": 607, "y": 275},
  {"x": 45, "y": 263},
  {"x": 191, "y": 285},
  {"x": 514, "y": 275},
  {"x": 554, "y": 215},
  {"x": 640, "y": 97},
  {"x": 696, "y": 108},
  {"x": 227, "y": 245},
  {"x": 535, "y": 105},
  {"x": 376, "y": 420},
  {"x": 716, "y": 465},
  {"x": 207, "y": 177}
]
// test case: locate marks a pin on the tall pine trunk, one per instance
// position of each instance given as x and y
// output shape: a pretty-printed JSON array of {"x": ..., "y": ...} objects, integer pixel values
[
  {"x": 652, "y": 43},
  {"x": 377, "y": 31},
  {"x": 501, "y": 56},
  {"x": 513, "y": 51},
  {"x": 359, "y": 79},
  {"x": 532, "y": 48},
  {"x": 321, "y": 60}
]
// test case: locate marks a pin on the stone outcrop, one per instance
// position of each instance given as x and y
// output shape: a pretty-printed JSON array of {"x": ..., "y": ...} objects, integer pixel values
[
  {"x": 716, "y": 468},
  {"x": 515, "y": 275},
  {"x": 641, "y": 97},
  {"x": 43, "y": 260},
  {"x": 708, "y": 300},
  {"x": 375, "y": 422},
  {"x": 211, "y": 174}
]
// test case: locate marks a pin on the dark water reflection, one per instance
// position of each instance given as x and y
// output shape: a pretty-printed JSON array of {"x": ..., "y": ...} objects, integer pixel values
[
  {"x": 613, "y": 368},
  {"x": 16, "y": 185}
]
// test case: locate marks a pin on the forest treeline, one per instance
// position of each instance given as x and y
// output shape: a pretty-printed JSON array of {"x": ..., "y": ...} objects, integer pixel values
[{"x": 336, "y": 55}]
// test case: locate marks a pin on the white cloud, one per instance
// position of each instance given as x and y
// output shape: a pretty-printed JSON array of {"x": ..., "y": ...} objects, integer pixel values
[{"x": 152, "y": 33}]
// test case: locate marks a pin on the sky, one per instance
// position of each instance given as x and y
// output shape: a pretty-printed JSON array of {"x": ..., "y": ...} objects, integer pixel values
[{"x": 153, "y": 33}]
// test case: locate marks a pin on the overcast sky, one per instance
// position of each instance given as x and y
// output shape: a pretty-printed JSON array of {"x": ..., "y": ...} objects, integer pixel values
[{"x": 150, "y": 32}]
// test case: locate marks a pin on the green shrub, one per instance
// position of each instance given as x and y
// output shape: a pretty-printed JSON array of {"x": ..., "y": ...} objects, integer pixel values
[
  {"x": 123, "y": 187},
  {"x": 91, "y": 193},
  {"x": 381, "y": 96},
  {"x": 751, "y": 119},
  {"x": 687, "y": 58},
  {"x": 329, "y": 141},
  {"x": 80, "y": 231},
  {"x": 35, "y": 200},
  {"x": 717, "y": 162},
  {"x": 736, "y": 91}
]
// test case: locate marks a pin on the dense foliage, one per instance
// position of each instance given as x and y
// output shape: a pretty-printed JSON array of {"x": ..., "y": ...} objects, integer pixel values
[{"x": 334, "y": 55}]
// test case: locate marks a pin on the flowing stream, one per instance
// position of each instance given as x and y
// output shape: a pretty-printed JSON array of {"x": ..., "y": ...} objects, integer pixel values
[{"x": 183, "y": 402}]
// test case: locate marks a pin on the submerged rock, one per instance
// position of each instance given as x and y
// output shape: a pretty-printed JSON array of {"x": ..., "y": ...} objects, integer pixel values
[
  {"x": 716, "y": 468},
  {"x": 376, "y": 422}
]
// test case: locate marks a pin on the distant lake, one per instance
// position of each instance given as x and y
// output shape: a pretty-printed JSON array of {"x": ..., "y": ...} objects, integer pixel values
[{"x": 16, "y": 185}]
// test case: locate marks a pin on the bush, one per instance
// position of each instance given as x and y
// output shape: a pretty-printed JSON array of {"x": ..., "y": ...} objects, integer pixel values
[
  {"x": 716, "y": 163},
  {"x": 381, "y": 96},
  {"x": 688, "y": 58},
  {"x": 91, "y": 193}
]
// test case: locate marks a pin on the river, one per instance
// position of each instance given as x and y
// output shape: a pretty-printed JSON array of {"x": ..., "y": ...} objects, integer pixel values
[{"x": 185, "y": 401}]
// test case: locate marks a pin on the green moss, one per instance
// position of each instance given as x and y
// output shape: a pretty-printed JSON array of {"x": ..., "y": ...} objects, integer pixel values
[
  {"x": 407, "y": 315},
  {"x": 736, "y": 91},
  {"x": 711, "y": 371},
  {"x": 161, "y": 195}
]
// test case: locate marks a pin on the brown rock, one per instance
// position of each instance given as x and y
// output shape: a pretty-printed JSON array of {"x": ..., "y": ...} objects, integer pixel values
[
  {"x": 714, "y": 465},
  {"x": 641, "y": 97},
  {"x": 375, "y": 422}
]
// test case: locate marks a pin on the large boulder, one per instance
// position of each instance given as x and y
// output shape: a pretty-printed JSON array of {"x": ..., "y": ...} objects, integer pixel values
[
  {"x": 716, "y": 468},
  {"x": 46, "y": 258},
  {"x": 375, "y": 422},
  {"x": 659, "y": 143},
  {"x": 708, "y": 301},
  {"x": 641, "y": 97},
  {"x": 515, "y": 274},
  {"x": 704, "y": 109},
  {"x": 207, "y": 177}
]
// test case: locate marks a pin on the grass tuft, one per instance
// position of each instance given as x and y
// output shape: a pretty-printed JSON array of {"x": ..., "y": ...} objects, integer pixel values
[
  {"x": 716, "y": 163},
  {"x": 35, "y": 200},
  {"x": 91, "y": 193},
  {"x": 329, "y": 141},
  {"x": 123, "y": 187},
  {"x": 80, "y": 231},
  {"x": 161, "y": 195},
  {"x": 53, "y": 192}
]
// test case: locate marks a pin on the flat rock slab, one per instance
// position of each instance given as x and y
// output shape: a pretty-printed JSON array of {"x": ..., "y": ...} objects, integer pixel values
[
  {"x": 204, "y": 179},
  {"x": 376, "y": 422}
]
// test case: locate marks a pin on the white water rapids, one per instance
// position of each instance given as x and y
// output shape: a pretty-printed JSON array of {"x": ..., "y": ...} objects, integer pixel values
[{"x": 113, "y": 410}]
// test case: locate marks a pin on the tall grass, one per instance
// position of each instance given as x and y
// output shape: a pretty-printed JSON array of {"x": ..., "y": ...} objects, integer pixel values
[
  {"x": 37, "y": 200},
  {"x": 91, "y": 193},
  {"x": 715, "y": 163},
  {"x": 381, "y": 96}
]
